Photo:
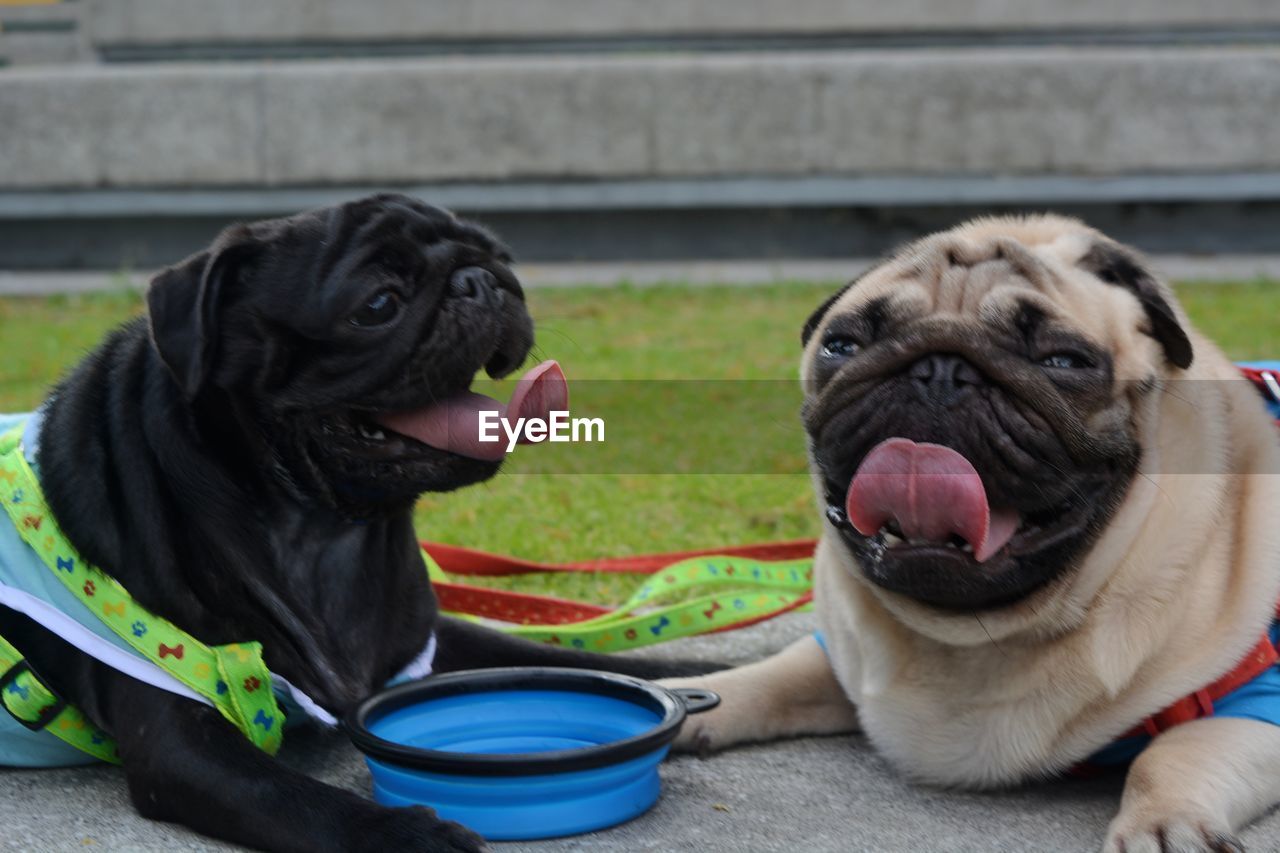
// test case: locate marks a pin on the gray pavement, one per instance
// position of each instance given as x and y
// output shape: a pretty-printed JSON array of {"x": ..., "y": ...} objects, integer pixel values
[{"x": 827, "y": 794}]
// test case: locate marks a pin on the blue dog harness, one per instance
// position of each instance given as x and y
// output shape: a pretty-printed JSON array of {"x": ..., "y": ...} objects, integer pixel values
[
  {"x": 21, "y": 568},
  {"x": 1257, "y": 699}
]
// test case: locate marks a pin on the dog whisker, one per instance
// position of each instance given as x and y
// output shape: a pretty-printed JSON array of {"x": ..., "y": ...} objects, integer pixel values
[{"x": 981, "y": 625}]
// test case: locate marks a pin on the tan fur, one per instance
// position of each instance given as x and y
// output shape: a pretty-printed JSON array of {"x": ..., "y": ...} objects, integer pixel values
[{"x": 1183, "y": 581}]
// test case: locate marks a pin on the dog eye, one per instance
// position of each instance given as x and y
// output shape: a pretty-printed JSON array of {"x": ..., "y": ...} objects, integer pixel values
[
  {"x": 838, "y": 347},
  {"x": 1065, "y": 361},
  {"x": 380, "y": 309}
]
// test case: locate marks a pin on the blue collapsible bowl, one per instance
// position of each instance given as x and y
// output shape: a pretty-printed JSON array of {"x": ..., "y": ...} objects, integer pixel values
[{"x": 523, "y": 753}]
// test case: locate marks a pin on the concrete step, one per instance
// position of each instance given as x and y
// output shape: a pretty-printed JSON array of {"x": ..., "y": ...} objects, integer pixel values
[
  {"x": 130, "y": 28},
  {"x": 765, "y": 154},
  {"x": 43, "y": 33},
  {"x": 1095, "y": 111}
]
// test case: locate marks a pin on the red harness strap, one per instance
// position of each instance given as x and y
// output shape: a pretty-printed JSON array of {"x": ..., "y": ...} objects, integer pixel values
[
  {"x": 1193, "y": 706},
  {"x": 1260, "y": 658}
]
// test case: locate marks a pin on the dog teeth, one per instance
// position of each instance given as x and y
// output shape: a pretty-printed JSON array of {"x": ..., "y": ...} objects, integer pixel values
[
  {"x": 892, "y": 540},
  {"x": 371, "y": 432}
]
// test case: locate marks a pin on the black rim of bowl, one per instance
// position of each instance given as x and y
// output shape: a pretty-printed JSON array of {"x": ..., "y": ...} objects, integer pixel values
[{"x": 667, "y": 705}]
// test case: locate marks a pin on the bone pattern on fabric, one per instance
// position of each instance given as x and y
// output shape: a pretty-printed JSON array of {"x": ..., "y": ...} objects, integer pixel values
[{"x": 51, "y": 615}]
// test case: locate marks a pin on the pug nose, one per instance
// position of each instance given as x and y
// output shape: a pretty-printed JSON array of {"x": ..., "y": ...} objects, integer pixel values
[
  {"x": 474, "y": 283},
  {"x": 944, "y": 377}
]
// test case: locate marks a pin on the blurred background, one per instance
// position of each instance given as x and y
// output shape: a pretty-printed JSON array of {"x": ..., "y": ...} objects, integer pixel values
[{"x": 639, "y": 130}]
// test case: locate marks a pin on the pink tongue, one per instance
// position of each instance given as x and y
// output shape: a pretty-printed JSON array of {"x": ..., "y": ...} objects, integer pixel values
[
  {"x": 454, "y": 424},
  {"x": 932, "y": 492}
]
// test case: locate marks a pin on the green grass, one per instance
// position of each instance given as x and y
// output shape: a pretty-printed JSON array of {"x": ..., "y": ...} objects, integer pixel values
[{"x": 658, "y": 333}]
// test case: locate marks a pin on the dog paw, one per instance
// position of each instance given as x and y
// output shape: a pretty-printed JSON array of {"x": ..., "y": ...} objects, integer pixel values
[
  {"x": 695, "y": 739},
  {"x": 697, "y": 735},
  {"x": 450, "y": 837},
  {"x": 418, "y": 829},
  {"x": 1170, "y": 834}
]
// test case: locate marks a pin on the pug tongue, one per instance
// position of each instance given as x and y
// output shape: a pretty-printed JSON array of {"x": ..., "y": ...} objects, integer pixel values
[
  {"x": 454, "y": 424},
  {"x": 932, "y": 492}
]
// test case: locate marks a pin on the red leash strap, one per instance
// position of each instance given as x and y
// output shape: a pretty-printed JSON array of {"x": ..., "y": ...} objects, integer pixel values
[
  {"x": 521, "y": 608},
  {"x": 457, "y": 560},
  {"x": 531, "y": 609}
]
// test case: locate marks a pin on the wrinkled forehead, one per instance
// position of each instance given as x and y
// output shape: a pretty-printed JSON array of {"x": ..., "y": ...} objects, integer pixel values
[
  {"x": 311, "y": 270},
  {"x": 392, "y": 237},
  {"x": 988, "y": 272},
  {"x": 372, "y": 228}
]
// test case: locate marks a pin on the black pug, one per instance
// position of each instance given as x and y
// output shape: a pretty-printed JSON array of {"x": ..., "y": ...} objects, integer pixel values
[{"x": 228, "y": 462}]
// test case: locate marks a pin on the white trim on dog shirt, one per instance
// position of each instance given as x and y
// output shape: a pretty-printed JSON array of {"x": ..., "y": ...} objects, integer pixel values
[{"x": 57, "y": 613}]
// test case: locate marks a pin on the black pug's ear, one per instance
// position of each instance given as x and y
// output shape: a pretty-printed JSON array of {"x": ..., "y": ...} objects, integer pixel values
[
  {"x": 183, "y": 304},
  {"x": 1117, "y": 265},
  {"x": 811, "y": 325}
]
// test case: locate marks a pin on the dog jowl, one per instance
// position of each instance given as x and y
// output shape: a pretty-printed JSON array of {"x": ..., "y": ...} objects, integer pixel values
[
  {"x": 244, "y": 461},
  {"x": 377, "y": 313},
  {"x": 966, "y": 457},
  {"x": 972, "y": 437}
]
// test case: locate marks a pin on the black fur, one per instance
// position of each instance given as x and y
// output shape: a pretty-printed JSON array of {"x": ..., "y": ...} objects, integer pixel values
[
  {"x": 1117, "y": 265},
  {"x": 811, "y": 324},
  {"x": 208, "y": 460}
]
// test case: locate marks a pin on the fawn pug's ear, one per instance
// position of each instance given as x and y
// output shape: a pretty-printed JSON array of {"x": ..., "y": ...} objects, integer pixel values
[
  {"x": 815, "y": 319},
  {"x": 1117, "y": 265},
  {"x": 184, "y": 304}
]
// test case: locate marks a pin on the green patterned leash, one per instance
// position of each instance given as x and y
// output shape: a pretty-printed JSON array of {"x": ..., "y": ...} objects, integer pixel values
[
  {"x": 745, "y": 590},
  {"x": 37, "y": 707}
]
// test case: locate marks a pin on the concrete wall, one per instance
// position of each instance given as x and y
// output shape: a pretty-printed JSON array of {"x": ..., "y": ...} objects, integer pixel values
[
  {"x": 167, "y": 21},
  {"x": 43, "y": 33},
  {"x": 640, "y": 128},
  {"x": 1057, "y": 111}
]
